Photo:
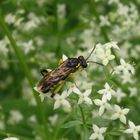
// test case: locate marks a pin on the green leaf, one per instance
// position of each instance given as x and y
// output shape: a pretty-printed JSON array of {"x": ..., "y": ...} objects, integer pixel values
[{"x": 71, "y": 124}]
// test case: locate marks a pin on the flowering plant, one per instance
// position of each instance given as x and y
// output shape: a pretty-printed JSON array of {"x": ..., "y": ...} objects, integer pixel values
[{"x": 98, "y": 102}]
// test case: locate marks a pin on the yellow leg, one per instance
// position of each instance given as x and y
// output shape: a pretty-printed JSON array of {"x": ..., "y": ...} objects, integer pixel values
[
  {"x": 59, "y": 87},
  {"x": 60, "y": 62}
]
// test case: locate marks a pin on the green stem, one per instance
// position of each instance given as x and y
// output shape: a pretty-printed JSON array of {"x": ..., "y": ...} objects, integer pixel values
[
  {"x": 84, "y": 137},
  {"x": 25, "y": 69}
]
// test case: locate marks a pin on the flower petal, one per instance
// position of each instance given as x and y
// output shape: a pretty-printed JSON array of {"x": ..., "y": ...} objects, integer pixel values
[
  {"x": 131, "y": 124},
  {"x": 123, "y": 119},
  {"x": 87, "y": 92},
  {"x": 103, "y": 129},
  {"x": 57, "y": 104},
  {"x": 93, "y": 136},
  {"x": 126, "y": 110},
  {"x": 64, "y": 57},
  {"x": 88, "y": 101},
  {"x": 135, "y": 134},
  {"x": 95, "y": 127},
  {"x": 128, "y": 131},
  {"x": 101, "y": 110},
  {"x": 98, "y": 102},
  {"x": 115, "y": 116}
]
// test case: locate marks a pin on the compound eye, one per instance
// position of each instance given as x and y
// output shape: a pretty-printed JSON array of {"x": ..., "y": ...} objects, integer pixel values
[{"x": 82, "y": 61}]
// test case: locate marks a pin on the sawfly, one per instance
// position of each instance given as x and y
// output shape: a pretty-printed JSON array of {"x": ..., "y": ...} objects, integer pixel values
[{"x": 55, "y": 77}]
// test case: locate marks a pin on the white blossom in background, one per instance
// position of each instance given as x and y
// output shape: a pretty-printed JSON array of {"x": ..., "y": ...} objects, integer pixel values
[
  {"x": 3, "y": 48},
  {"x": 33, "y": 119},
  {"x": 83, "y": 96},
  {"x": 11, "y": 138},
  {"x": 123, "y": 10},
  {"x": 33, "y": 22},
  {"x": 133, "y": 129},
  {"x": 119, "y": 95},
  {"x": 18, "y": 22},
  {"x": 10, "y": 18},
  {"x": 15, "y": 117},
  {"x": 60, "y": 101},
  {"x": 61, "y": 10},
  {"x": 28, "y": 46},
  {"x": 107, "y": 92},
  {"x": 103, "y": 104},
  {"x": 41, "y": 3},
  {"x": 27, "y": 93},
  {"x": 98, "y": 133},
  {"x": 104, "y": 21},
  {"x": 2, "y": 125},
  {"x": 133, "y": 91},
  {"x": 120, "y": 114},
  {"x": 53, "y": 119},
  {"x": 113, "y": 1},
  {"x": 87, "y": 38},
  {"x": 39, "y": 41},
  {"x": 125, "y": 71}
]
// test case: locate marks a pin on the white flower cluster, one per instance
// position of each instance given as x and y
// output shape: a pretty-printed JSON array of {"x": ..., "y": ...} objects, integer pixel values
[
  {"x": 125, "y": 71},
  {"x": 119, "y": 113},
  {"x": 103, "y": 52}
]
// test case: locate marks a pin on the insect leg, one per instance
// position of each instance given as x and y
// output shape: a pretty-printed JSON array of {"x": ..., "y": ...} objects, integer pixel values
[
  {"x": 53, "y": 94},
  {"x": 44, "y": 71},
  {"x": 57, "y": 89},
  {"x": 60, "y": 86}
]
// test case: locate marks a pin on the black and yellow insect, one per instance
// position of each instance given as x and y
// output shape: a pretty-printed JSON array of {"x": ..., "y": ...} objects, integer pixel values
[{"x": 58, "y": 75}]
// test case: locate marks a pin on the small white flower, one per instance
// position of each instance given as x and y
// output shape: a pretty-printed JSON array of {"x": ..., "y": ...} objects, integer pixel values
[
  {"x": 104, "y": 54},
  {"x": 104, "y": 21},
  {"x": 3, "y": 47},
  {"x": 15, "y": 117},
  {"x": 103, "y": 105},
  {"x": 120, "y": 113},
  {"x": 10, "y": 18},
  {"x": 28, "y": 46},
  {"x": 124, "y": 67},
  {"x": 83, "y": 97},
  {"x": 60, "y": 100},
  {"x": 33, "y": 119},
  {"x": 112, "y": 44},
  {"x": 2, "y": 125},
  {"x": 127, "y": 78},
  {"x": 98, "y": 133},
  {"x": 41, "y": 94},
  {"x": 133, "y": 129},
  {"x": 61, "y": 10},
  {"x": 133, "y": 91},
  {"x": 53, "y": 119},
  {"x": 119, "y": 95},
  {"x": 107, "y": 92},
  {"x": 11, "y": 138}
]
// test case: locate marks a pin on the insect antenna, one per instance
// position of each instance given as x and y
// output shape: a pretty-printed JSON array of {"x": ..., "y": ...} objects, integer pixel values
[
  {"x": 95, "y": 63},
  {"x": 91, "y": 52}
]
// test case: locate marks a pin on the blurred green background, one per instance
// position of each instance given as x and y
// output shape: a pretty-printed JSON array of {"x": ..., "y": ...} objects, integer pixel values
[{"x": 40, "y": 32}]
